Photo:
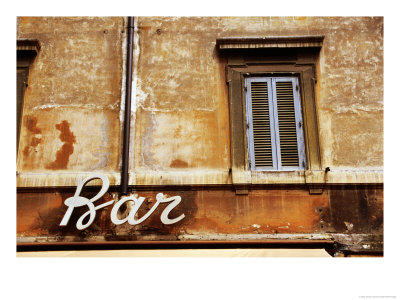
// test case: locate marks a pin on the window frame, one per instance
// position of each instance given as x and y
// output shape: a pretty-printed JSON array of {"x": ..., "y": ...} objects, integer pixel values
[
  {"x": 297, "y": 62},
  {"x": 27, "y": 51}
]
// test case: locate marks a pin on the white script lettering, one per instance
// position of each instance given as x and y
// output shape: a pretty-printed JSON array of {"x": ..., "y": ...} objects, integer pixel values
[{"x": 78, "y": 201}]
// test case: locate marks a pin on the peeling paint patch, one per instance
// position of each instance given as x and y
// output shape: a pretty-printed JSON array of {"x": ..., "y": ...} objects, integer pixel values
[
  {"x": 349, "y": 226},
  {"x": 147, "y": 155},
  {"x": 358, "y": 242},
  {"x": 103, "y": 155},
  {"x": 62, "y": 156},
  {"x": 86, "y": 106},
  {"x": 230, "y": 237}
]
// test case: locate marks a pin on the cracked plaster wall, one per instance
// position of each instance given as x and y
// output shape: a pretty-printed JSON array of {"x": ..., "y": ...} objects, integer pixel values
[
  {"x": 75, "y": 78},
  {"x": 180, "y": 113},
  {"x": 181, "y": 84}
]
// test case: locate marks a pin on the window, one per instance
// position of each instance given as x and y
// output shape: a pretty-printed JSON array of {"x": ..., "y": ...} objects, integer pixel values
[
  {"x": 274, "y": 124},
  {"x": 26, "y": 53},
  {"x": 22, "y": 82},
  {"x": 272, "y": 107}
]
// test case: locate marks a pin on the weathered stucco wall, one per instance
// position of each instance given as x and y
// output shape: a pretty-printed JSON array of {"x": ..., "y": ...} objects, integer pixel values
[
  {"x": 182, "y": 112},
  {"x": 72, "y": 104},
  {"x": 182, "y": 96},
  {"x": 180, "y": 115},
  {"x": 350, "y": 215},
  {"x": 180, "y": 135}
]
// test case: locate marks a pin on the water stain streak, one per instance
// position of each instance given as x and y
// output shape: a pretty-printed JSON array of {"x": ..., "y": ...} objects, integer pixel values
[{"x": 62, "y": 155}]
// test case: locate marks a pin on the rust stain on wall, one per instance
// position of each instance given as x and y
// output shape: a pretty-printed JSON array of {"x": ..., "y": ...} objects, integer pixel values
[
  {"x": 177, "y": 163},
  {"x": 182, "y": 122},
  {"x": 262, "y": 211},
  {"x": 31, "y": 126},
  {"x": 86, "y": 67},
  {"x": 62, "y": 156},
  {"x": 207, "y": 212},
  {"x": 30, "y": 210},
  {"x": 34, "y": 142},
  {"x": 78, "y": 71}
]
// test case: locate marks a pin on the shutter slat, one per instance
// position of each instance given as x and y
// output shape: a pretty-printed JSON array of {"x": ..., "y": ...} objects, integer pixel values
[
  {"x": 287, "y": 124},
  {"x": 261, "y": 124}
]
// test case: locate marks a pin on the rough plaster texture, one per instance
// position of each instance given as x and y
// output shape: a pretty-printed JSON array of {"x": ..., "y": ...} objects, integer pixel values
[
  {"x": 180, "y": 71},
  {"x": 206, "y": 211},
  {"x": 180, "y": 128},
  {"x": 75, "y": 79},
  {"x": 181, "y": 115},
  {"x": 351, "y": 216}
]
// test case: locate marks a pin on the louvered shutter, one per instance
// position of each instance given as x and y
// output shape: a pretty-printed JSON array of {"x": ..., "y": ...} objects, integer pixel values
[
  {"x": 275, "y": 134},
  {"x": 260, "y": 128},
  {"x": 289, "y": 156}
]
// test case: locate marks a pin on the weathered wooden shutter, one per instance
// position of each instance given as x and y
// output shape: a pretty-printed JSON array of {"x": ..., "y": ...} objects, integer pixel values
[
  {"x": 287, "y": 124},
  {"x": 275, "y": 134},
  {"x": 261, "y": 124}
]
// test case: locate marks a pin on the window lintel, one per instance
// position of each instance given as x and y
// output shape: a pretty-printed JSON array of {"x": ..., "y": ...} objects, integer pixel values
[
  {"x": 28, "y": 45},
  {"x": 314, "y": 41}
]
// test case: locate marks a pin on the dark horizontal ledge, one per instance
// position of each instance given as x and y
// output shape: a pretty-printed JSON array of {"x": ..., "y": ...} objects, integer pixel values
[
  {"x": 28, "y": 45},
  {"x": 208, "y": 187},
  {"x": 196, "y": 244},
  {"x": 270, "y": 42}
]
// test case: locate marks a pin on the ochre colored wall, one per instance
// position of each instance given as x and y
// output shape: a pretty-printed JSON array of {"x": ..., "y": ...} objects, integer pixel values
[
  {"x": 72, "y": 104},
  {"x": 181, "y": 81},
  {"x": 180, "y": 135},
  {"x": 180, "y": 119}
]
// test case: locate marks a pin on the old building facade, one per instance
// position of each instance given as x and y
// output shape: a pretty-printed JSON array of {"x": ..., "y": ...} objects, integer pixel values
[{"x": 195, "y": 175}]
